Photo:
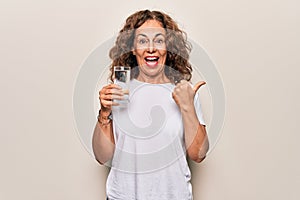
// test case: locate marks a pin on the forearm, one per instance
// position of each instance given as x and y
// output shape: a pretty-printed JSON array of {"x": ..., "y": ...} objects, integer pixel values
[
  {"x": 195, "y": 135},
  {"x": 103, "y": 142},
  {"x": 200, "y": 145}
]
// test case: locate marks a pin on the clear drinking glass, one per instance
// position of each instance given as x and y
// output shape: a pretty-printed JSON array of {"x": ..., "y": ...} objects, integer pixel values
[{"x": 122, "y": 78}]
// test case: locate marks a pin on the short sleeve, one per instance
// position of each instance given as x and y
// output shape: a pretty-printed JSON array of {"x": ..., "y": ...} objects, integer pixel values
[{"x": 198, "y": 109}]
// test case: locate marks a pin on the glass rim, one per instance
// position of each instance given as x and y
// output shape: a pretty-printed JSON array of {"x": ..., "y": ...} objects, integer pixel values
[{"x": 124, "y": 67}]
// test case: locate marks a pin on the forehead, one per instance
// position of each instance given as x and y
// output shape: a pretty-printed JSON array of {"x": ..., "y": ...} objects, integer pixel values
[{"x": 150, "y": 28}]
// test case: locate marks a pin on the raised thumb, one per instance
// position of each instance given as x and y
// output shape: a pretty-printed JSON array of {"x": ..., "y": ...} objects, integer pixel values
[{"x": 198, "y": 85}]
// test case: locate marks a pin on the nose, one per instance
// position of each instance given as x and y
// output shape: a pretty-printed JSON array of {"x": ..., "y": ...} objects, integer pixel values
[{"x": 151, "y": 47}]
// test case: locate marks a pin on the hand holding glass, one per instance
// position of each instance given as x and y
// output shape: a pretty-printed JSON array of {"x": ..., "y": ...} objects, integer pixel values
[{"x": 122, "y": 78}]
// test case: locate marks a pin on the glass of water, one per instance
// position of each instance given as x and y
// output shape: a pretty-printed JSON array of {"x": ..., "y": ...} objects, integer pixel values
[{"x": 122, "y": 78}]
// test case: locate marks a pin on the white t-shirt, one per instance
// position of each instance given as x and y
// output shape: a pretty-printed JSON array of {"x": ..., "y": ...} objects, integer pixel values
[{"x": 149, "y": 162}]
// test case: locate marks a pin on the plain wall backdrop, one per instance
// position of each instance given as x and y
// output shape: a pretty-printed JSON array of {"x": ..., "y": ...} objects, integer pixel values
[{"x": 255, "y": 45}]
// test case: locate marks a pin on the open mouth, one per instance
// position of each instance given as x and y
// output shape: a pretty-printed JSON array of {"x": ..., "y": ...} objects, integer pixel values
[{"x": 151, "y": 61}]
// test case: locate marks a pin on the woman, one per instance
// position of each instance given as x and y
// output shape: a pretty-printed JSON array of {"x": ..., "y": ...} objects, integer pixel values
[{"x": 149, "y": 161}]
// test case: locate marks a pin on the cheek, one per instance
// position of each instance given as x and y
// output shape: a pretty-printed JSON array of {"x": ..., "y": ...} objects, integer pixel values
[
  {"x": 138, "y": 53},
  {"x": 139, "y": 56},
  {"x": 163, "y": 54}
]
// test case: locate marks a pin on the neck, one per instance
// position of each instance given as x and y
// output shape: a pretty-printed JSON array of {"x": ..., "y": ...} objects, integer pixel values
[{"x": 153, "y": 80}]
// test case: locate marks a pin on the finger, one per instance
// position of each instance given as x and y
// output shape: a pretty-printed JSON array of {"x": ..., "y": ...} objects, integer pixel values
[
  {"x": 198, "y": 85},
  {"x": 108, "y": 104},
  {"x": 174, "y": 97},
  {"x": 183, "y": 81},
  {"x": 110, "y": 86},
  {"x": 112, "y": 91},
  {"x": 110, "y": 97}
]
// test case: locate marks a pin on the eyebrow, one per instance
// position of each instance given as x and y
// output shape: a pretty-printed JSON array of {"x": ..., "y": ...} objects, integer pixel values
[{"x": 158, "y": 34}]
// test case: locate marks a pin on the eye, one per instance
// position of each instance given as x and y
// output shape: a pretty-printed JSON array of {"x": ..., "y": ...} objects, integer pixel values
[
  {"x": 159, "y": 41},
  {"x": 142, "y": 41}
]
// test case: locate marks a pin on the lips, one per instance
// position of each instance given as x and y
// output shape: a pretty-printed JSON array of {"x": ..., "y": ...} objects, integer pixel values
[{"x": 151, "y": 61}]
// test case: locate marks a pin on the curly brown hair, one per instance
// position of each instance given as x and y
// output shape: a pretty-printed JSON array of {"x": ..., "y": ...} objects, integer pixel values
[{"x": 178, "y": 48}]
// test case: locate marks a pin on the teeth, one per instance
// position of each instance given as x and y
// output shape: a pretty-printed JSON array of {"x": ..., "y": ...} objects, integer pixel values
[{"x": 151, "y": 59}]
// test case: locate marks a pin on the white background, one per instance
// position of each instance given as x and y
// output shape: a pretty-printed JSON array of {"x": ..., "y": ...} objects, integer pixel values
[{"x": 255, "y": 45}]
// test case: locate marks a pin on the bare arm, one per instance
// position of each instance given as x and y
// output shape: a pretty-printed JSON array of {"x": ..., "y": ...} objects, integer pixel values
[
  {"x": 103, "y": 141},
  {"x": 196, "y": 140},
  {"x": 195, "y": 136}
]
